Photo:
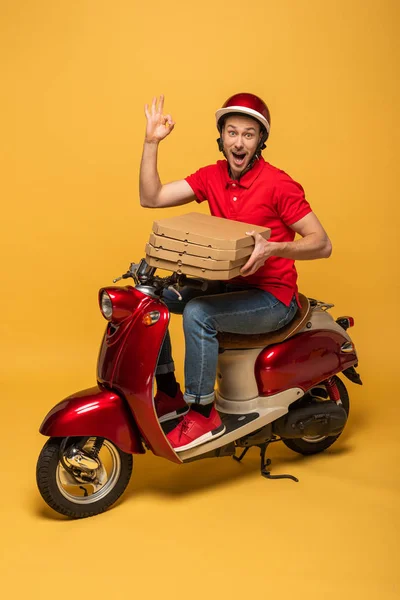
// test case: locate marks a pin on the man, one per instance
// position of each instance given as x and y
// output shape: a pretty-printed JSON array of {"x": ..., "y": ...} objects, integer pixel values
[{"x": 243, "y": 187}]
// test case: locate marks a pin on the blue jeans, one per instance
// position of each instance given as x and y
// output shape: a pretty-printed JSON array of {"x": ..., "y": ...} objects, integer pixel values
[{"x": 222, "y": 307}]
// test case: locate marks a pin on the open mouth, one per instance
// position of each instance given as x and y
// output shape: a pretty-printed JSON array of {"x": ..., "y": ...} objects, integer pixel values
[{"x": 238, "y": 158}]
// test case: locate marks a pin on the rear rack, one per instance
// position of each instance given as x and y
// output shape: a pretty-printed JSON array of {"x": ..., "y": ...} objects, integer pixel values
[{"x": 319, "y": 304}]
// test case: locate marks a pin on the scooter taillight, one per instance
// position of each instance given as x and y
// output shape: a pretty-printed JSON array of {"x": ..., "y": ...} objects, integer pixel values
[{"x": 345, "y": 322}]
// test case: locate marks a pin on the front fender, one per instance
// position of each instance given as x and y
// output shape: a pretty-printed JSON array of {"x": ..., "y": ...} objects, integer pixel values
[{"x": 94, "y": 412}]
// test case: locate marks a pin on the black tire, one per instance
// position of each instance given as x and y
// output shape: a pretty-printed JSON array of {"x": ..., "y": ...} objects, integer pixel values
[
  {"x": 49, "y": 482},
  {"x": 301, "y": 445}
]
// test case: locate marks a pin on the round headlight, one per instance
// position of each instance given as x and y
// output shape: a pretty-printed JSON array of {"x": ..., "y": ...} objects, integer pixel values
[{"x": 106, "y": 306}]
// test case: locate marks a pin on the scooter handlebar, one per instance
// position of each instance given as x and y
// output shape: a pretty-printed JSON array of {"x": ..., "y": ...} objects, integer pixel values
[
  {"x": 143, "y": 274},
  {"x": 197, "y": 284}
]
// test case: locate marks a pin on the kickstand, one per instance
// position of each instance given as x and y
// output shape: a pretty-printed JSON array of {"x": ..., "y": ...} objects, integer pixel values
[
  {"x": 243, "y": 454},
  {"x": 266, "y": 463}
]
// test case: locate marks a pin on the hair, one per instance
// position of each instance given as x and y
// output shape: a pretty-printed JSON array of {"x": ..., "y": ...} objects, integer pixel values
[{"x": 221, "y": 122}]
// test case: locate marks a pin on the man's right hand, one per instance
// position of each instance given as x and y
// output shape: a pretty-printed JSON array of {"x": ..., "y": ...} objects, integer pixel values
[
  {"x": 152, "y": 193},
  {"x": 158, "y": 125}
]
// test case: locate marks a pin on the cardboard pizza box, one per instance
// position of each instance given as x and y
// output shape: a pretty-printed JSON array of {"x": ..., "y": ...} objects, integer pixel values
[
  {"x": 200, "y": 272},
  {"x": 166, "y": 243},
  {"x": 195, "y": 261},
  {"x": 206, "y": 230}
]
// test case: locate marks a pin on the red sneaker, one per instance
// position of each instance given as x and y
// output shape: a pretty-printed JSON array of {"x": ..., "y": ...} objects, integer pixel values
[
  {"x": 195, "y": 429},
  {"x": 168, "y": 408}
]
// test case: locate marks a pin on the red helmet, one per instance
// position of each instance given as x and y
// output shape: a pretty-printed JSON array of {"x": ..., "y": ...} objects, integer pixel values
[{"x": 247, "y": 104}]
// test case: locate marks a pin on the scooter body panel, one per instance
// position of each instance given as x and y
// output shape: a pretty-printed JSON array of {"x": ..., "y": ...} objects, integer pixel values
[
  {"x": 94, "y": 412},
  {"x": 129, "y": 366},
  {"x": 239, "y": 425},
  {"x": 117, "y": 332},
  {"x": 302, "y": 361}
]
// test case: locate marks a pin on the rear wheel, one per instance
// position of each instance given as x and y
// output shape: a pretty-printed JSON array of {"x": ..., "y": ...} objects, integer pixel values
[
  {"x": 88, "y": 483},
  {"x": 314, "y": 444}
]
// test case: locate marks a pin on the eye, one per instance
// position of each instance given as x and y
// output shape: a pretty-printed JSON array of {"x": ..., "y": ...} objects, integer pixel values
[
  {"x": 231, "y": 133},
  {"x": 249, "y": 135}
]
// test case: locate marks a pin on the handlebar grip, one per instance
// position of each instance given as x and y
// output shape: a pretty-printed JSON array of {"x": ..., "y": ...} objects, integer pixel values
[{"x": 197, "y": 284}]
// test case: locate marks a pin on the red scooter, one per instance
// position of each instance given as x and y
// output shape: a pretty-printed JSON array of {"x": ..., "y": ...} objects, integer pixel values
[{"x": 270, "y": 387}]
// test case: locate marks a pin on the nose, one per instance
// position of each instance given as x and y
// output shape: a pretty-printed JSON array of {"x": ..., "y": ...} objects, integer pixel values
[{"x": 238, "y": 142}]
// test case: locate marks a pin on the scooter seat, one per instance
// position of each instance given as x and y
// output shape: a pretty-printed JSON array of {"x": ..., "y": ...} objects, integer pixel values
[{"x": 230, "y": 341}]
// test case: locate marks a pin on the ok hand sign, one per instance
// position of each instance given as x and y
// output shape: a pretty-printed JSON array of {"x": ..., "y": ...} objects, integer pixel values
[{"x": 158, "y": 125}]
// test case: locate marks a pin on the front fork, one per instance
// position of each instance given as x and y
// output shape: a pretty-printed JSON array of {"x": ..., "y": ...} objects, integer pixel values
[{"x": 81, "y": 465}]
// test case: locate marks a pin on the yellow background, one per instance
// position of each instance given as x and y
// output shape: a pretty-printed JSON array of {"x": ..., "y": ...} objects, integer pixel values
[{"x": 75, "y": 77}]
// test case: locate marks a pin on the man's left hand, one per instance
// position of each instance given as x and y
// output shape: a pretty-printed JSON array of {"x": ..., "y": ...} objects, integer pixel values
[{"x": 262, "y": 252}]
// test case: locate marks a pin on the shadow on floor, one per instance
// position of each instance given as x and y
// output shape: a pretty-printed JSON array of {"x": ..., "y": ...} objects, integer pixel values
[{"x": 155, "y": 475}]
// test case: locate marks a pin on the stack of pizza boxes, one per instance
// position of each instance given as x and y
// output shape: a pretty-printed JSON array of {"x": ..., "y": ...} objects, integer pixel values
[{"x": 201, "y": 245}]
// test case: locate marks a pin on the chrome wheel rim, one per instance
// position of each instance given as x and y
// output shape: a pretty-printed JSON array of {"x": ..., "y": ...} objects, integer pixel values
[
  {"x": 107, "y": 476},
  {"x": 313, "y": 439}
]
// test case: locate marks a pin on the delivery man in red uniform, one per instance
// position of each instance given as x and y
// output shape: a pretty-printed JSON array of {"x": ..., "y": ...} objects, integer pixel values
[{"x": 243, "y": 187}]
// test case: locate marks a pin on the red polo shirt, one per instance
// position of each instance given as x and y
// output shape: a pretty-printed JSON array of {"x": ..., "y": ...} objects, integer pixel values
[{"x": 264, "y": 196}]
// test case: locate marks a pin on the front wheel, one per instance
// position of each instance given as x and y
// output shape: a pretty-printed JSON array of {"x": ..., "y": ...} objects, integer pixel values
[
  {"x": 82, "y": 477},
  {"x": 314, "y": 444}
]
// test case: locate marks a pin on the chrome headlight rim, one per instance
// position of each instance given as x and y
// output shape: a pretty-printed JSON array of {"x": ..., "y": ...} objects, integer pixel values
[{"x": 106, "y": 306}]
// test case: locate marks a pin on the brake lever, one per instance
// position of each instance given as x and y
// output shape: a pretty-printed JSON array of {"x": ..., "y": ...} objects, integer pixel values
[
  {"x": 131, "y": 273},
  {"x": 124, "y": 276},
  {"x": 171, "y": 287}
]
